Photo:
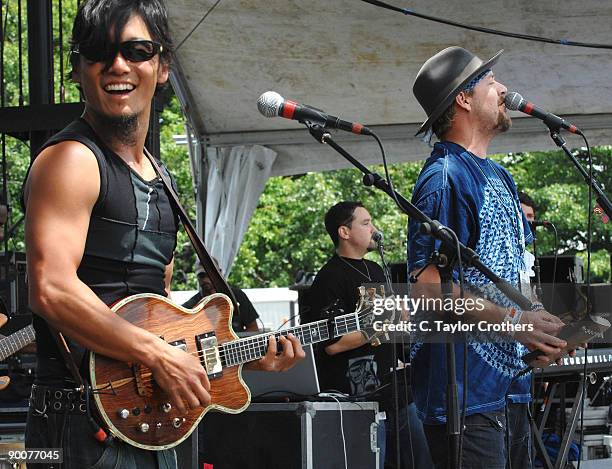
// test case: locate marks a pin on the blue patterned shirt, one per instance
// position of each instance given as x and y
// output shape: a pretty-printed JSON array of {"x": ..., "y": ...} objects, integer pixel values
[{"x": 476, "y": 198}]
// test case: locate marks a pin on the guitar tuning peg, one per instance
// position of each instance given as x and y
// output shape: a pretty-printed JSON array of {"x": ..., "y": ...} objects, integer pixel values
[
  {"x": 372, "y": 293},
  {"x": 382, "y": 291}
]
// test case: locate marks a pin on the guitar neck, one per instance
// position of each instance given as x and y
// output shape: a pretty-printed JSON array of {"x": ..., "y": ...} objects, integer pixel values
[
  {"x": 16, "y": 341},
  {"x": 253, "y": 348}
]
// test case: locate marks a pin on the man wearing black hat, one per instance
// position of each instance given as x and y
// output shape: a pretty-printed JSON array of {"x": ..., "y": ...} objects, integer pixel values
[{"x": 477, "y": 198}]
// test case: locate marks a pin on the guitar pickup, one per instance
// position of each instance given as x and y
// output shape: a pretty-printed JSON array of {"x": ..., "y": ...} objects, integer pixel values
[{"x": 209, "y": 354}]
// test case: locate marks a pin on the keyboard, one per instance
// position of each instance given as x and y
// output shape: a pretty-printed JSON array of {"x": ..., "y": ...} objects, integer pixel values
[{"x": 598, "y": 360}]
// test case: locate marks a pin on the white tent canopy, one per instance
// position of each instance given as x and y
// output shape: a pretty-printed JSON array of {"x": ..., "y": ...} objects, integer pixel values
[{"x": 358, "y": 62}]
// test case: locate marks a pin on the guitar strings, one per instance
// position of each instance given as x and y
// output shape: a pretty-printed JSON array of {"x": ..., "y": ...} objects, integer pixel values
[
  {"x": 256, "y": 347},
  {"x": 237, "y": 349}
]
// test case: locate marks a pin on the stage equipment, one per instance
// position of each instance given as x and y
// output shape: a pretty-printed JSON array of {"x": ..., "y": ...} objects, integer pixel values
[
  {"x": 294, "y": 435},
  {"x": 599, "y": 360},
  {"x": 272, "y": 104},
  {"x": 535, "y": 223},
  {"x": 13, "y": 286},
  {"x": 561, "y": 277},
  {"x": 558, "y": 377}
]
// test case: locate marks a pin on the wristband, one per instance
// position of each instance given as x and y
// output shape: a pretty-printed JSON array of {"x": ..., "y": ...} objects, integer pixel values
[{"x": 513, "y": 317}]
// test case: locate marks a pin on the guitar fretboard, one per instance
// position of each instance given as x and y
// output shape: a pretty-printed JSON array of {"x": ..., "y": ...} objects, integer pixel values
[
  {"x": 253, "y": 348},
  {"x": 16, "y": 341}
]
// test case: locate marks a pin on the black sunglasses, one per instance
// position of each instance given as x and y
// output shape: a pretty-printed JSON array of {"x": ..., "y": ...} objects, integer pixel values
[{"x": 139, "y": 50}]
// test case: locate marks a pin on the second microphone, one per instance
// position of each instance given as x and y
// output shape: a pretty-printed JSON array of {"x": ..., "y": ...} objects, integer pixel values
[{"x": 272, "y": 104}]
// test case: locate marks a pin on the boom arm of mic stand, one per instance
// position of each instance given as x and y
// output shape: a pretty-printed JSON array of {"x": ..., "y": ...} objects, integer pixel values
[{"x": 468, "y": 256}]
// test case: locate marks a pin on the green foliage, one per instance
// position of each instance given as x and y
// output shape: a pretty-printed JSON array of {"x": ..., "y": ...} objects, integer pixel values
[
  {"x": 561, "y": 196},
  {"x": 287, "y": 232},
  {"x": 16, "y": 93},
  {"x": 176, "y": 157}
]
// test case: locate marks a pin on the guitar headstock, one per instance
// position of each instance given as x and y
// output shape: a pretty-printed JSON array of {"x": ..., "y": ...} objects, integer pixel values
[{"x": 367, "y": 316}]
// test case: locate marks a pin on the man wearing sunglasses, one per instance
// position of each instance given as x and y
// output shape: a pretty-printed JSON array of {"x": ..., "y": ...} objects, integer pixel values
[{"x": 100, "y": 227}]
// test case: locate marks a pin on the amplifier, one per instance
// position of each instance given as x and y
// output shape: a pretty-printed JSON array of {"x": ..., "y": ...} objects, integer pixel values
[
  {"x": 300, "y": 435},
  {"x": 561, "y": 281},
  {"x": 570, "y": 269},
  {"x": 13, "y": 287}
]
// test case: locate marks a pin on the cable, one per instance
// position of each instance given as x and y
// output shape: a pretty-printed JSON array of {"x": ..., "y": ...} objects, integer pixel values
[
  {"x": 263, "y": 326},
  {"x": 527, "y": 37},
  {"x": 197, "y": 25},
  {"x": 588, "y": 287},
  {"x": 385, "y": 166},
  {"x": 287, "y": 320},
  {"x": 341, "y": 427}
]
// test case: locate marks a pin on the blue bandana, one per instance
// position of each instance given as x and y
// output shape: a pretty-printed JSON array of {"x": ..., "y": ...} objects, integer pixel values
[{"x": 470, "y": 86}]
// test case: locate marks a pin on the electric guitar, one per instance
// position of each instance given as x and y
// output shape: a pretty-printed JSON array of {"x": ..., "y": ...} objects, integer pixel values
[
  {"x": 11, "y": 344},
  {"x": 136, "y": 410},
  {"x": 16, "y": 341}
]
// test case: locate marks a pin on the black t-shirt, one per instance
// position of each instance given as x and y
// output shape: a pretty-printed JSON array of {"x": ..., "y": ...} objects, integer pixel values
[
  {"x": 366, "y": 368},
  {"x": 239, "y": 321}
]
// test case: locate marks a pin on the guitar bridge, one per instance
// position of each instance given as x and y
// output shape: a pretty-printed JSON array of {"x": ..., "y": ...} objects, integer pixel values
[
  {"x": 209, "y": 354},
  {"x": 143, "y": 375}
]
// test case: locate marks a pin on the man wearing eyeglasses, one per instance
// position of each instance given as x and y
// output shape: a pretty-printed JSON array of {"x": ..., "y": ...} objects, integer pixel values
[{"x": 100, "y": 227}]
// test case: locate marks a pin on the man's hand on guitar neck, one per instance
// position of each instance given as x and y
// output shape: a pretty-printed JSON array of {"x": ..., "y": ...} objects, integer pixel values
[
  {"x": 273, "y": 361},
  {"x": 182, "y": 376}
]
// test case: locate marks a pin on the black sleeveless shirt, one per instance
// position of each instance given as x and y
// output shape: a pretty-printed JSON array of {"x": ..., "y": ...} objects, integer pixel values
[{"x": 131, "y": 236}]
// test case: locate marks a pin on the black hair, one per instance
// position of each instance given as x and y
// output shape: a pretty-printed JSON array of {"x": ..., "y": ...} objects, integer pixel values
[
  {"x": 96, "y": 20},
  {"x": 444, "y": 123},
  {"x": 341, "y": 214},
  {"x": 526, "y": 200}
]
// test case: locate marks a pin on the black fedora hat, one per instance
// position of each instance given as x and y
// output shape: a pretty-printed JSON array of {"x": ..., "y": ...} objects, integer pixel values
[{"x": 443, "y": 76}]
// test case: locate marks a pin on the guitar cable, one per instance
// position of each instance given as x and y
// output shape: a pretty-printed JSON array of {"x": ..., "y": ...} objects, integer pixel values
[
  {"x": 341, "y": 427},
  {"x": 106, "y": 438}
]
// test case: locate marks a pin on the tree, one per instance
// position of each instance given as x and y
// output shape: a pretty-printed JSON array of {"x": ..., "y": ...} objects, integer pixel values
[{"x": 287, "y": 234}]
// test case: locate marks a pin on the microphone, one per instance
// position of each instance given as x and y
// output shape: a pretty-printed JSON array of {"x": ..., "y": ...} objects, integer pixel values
[
  {"x": 515, "y": 102},
  {"x": 272, "y": 104},
  {"x": 378, "y": 237},
  {"x": 545, "y": 223}
]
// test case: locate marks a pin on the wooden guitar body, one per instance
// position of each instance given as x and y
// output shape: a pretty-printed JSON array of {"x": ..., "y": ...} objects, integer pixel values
[{"x": 132, "y": 405}]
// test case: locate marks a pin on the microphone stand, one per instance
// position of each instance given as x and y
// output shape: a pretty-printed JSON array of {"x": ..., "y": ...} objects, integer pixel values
[
  {"x": 468, "y": 256},
  {"x": 387, "y": 272},
  {"x": 602, "y": 199}
]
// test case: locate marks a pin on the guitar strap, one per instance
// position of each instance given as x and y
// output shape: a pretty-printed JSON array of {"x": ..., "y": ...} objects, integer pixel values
[
  {"x": 217, "y": 280},
  {"x": 68, "y": 357}
]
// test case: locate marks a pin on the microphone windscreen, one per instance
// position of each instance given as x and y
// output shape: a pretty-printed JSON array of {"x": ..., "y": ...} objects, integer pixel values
[
  {"x": 378, "y": 236},
  {"x": 513, "y": 101},
  {"x": 269, "y": 103}
]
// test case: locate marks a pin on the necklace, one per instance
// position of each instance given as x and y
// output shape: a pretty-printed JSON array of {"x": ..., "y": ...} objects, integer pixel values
[{"x": 355, "y": 268}]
